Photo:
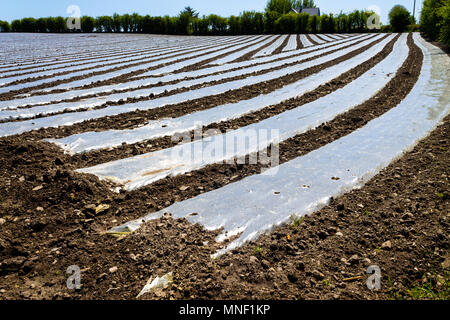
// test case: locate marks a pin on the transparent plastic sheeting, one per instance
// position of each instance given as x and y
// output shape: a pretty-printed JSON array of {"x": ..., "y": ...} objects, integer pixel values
[
  {"x": 316, "y": 39},
  {"x": 116, "y": 50},
  {"x": 158, "y": 59},
  {"x": 326, "y": 37},
  {"x": 74, "y": 66},
  {"x": 149, "y": 54},
  {"x": 14, "y": 48},
  {"x": 291, "y": 45},
  {"x": 184, "y": 64},
  {"x": 194, "y": 58},
  {"x": 379, "y": 76},
  {"x": 98, "y": 101},
  {"x": 305, "y": 41},
  {"x": 142, "y": 170},
  {"x": 43, "y": 99},
  {"x": 77, "y": 67},
  {"x": 17, "y": 47},
  {"x": 172, "y": 56},
  {"x": 270, "y": 49},
  {"x": 11, "y": 128},
  {"x": 166, "y": 58},
  {"x": 333, "y": 37},
  {"x": 101, "y": 50},
  {"x": 302, "y": 186},
  {"x": 59, "y": 53}
]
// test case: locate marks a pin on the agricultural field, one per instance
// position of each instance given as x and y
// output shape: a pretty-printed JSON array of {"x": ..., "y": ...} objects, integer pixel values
[{"x": 233, "y": 167}]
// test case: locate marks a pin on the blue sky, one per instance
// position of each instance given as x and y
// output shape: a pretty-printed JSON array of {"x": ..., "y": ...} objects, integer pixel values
[{"x": 10, "y": 10}]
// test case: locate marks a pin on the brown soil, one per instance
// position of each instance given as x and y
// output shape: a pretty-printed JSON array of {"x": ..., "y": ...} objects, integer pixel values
[
  {"x": 49, "y": 223},
  {"x": 299, "y": 42}
]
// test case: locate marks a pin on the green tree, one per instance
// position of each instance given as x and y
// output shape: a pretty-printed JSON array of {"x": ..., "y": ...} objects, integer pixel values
[
  {"x": 170, "y": 25},
  {"x": 251, "y": 22},
  {"x": 444, "y": 12},
  {"x": 270, "y": 17},
  {"x": 342, "y": 23},
  {"x": 200, "y": 26},
  {"x": 125, "y": 23},
  {"x": 304, "y": 3},
  {"x": 191, "y": 12},
  {"x": 104, "y": 24},
  {"x": 280, "y": 6},
  {"x": 217, "y": 25},
  {"x": 186, "y": 18},
  {"x": 116, "y": 23},
  {"x": 286, "y": 23},
  {"x": 327, "y": 23},
  {"x": 4, "y": 26},
  {"x": 184, "y": 23},
  {"x": 431, "y": 18},
  {"x": 302, "y": 23},
  {"x": 314, "y": 24},
  {"x": 41, "y": 25},
  {"x": 146, "y": 24},
  {"x": 234, "y": 25},
  {"x": 87, "y": 24},
  {"x": 28, "y": 25},
  {"x": 135, "y": 23},
  {"x": 399, "y": 18}
]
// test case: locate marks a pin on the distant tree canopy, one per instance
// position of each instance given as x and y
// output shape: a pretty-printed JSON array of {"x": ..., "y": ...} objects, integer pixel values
[
  {"x": 278, "y": 18},
  {"x": 279, "y": 6},
  {"x": 285, "y": 6},
  {"x": 435, "y": 20},
  {"x": 191, "y": 12},
  {"x": 399, "y": 18},
  {"x": 50, "y": 24},
  {"x": 4, "y": 26},
  {"x": 304, "y": 3}
]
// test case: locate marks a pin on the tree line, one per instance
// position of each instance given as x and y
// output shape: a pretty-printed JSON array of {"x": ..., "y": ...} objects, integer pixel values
[
  {"x": 248, "y": 22},
  {"x": 278, "y": 18},
  {"x": 435, "y": 20}
]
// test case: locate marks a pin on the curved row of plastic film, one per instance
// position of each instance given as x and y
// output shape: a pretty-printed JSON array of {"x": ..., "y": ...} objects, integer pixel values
[
  {"x": 98, "y": 101},
  {"x": 124, "y": 59},
  {"x": 385, "y": 70},
  {"x": 130, "y": 53},
  {"x": 302, "y": 186},
  {"x": 292, "y": 44},
  {"x": 145, "y": 169},
  {"x": 173, "y": 55},
  {"x": 129, "y": 85},
  {"x": 80, "y": 50},
  {"x": 25, "y": 49},
  {"x": 193, "y": 58},
  {"x": 11, "y": 128},
  {"x": 271, "y": 48}
]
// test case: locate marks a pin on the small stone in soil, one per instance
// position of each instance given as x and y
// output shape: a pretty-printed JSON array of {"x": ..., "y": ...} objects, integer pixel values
[
  {"x": 113, "y": 269},
  {"x": 387, "y": 245}
]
